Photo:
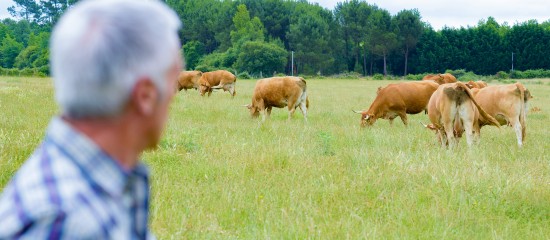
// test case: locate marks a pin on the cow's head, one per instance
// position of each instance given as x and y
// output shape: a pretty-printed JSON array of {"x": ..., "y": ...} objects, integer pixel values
[
  {"x": 254, "y": 111},
  {"x": 366, "y": 118},
  {"x": 440, "y": 78},
  {"x": 204, "y": 86},
  {"x": 470, "y": 84}
]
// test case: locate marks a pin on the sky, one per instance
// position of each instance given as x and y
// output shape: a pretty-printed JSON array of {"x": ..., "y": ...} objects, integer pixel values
[
  {"x": 464, "y": 13},
  {"x": 440, "y": 13}
]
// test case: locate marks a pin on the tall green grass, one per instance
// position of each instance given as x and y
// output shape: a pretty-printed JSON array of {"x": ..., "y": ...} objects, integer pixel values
[{"x": 220, "y": 174}]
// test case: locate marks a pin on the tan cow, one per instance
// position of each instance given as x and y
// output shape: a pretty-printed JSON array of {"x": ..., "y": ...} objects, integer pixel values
[
  {"x": 507, "y": 104},
  {"x": 441, "y": 78},
  {"x": 398, "y": 99},
  {"x": 188, "y": 80},
  {"x": 279, "y": 92},
  {"x": 452, "y": 109},
  {"x": 219, "y": 79}
]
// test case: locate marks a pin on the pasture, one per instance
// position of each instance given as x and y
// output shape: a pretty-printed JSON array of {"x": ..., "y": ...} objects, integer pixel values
[{"x": 218, "y": 174}]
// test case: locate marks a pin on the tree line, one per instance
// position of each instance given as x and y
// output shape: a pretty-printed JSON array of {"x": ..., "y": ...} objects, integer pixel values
[{"x": 260, "y": 37}]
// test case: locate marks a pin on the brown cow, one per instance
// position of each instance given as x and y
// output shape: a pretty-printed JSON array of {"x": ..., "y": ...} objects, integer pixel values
[
  {"x": 479, "y": 84},
  {"x": 471, "y": 84},
  {"x": 398, "y": 99},
  {"x": 188, "y": 80},
  {"x": 507, "y": 104},
  {"x": 279, "y": 92},
  {"x": 441, "y": 78},
  {"x": 219, "y": 79},
  {"x": 452, "y": 109}
]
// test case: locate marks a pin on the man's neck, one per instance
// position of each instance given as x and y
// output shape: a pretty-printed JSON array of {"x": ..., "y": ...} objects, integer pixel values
[{"x": 115, "y": 136}]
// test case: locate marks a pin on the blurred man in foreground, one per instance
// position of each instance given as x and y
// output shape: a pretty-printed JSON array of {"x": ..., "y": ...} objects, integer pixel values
[{"x": 114, "y": 65}]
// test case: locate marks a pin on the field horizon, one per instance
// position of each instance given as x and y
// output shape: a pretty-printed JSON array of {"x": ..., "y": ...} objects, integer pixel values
[{"x": 218, "y": 173}]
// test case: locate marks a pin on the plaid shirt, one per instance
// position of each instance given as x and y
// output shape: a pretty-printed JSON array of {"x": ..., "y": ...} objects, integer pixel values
[{"x": 71, "y": 189}]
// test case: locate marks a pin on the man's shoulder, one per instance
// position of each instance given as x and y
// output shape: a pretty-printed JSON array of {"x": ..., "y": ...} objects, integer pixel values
[
  {"x": 49, "y": 178},
  {"x": 48, "y": 187}
]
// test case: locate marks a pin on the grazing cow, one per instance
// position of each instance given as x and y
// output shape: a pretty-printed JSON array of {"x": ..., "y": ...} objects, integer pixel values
[
  {"x": 188, "y": 80},
  {"x": 479, "y": 84},
  {"x": 452, "y": 109},
  {"x": 398, "y": 99},
  {"x": 220, "y": 79},
  {"x": 507, "y": 104},
  {"x": 440, "y": 78},
  {"x": 279, "y": 92}
]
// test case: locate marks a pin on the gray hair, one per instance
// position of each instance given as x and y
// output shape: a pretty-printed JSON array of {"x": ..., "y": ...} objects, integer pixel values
[{"x": 101, "y": 48}]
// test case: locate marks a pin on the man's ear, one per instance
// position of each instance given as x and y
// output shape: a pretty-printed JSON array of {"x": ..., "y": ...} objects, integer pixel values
[{"x": 145, "y": 96}]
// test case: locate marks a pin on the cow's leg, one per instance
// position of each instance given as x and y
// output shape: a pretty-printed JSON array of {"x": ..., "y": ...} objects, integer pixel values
[
  {"x": 209, "y": 92},
  {"x": 448, "y": 119},
  {"x": 477, "y": 132},
  {"x": 469, "y": 134},
  {"x": 291, "y": 112},
  {"x": 268, "y": 111},
  {"x": 518, "y": 129},
  {"x": 264, "y": 112},
  {"x": 466, "y": 121},
  {"x": 303, "y": 108},
  {"x": 403, "y": 117},
  {"x": 232, "y": 90},
  {"x": 449, "y": 134}
]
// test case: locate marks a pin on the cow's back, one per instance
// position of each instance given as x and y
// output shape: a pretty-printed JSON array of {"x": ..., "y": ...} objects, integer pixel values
[
  {"x": 500, "y": 100},
  {"x": 188, "y": 79},
  {"x": 273, "y": 91},
  {"x": 414, "y": 95}
]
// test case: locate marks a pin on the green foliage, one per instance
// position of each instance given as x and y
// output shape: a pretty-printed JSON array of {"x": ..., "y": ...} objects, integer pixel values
[
  {"x": 9, "y": 49},
  {"x": 247, "y": 29},
  {"x": 415, "y": 77},
  {"x": 409, "y": 28},
  {"x": 378, "y": 76},
  {"x": 309, "y": 38},
  {"x": 458, "y": 73},
  {"x": 502, "y": 75},
  {"x": 347, "y": 75},
  {"x": 26, "y": 72},
  {"x": 354, "y": 37},
  {"x": 244, "y": 75},
  {"x": 258, "y": 56},
  {"x": 193, "y": 52},
  {"x": 530, "y": 74}
]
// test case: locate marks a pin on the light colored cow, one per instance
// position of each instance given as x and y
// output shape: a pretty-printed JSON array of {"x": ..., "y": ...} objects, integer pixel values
[
  {"x": 219, "y": 79},
  {"x": 452, "y": 109},
  {"x": 507, "y": 104},
  {"x": 279, "y": 92}
]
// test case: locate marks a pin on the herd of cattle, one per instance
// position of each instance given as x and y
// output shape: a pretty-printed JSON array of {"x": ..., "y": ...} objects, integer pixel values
[{"x": 453, "y": 107}]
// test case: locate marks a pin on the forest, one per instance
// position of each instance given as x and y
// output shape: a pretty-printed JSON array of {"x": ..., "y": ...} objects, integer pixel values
[{"x": 256, "y": 38}]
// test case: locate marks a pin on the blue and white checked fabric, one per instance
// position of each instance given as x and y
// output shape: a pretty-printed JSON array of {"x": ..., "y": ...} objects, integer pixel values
[{"x": 71, "y": 189}]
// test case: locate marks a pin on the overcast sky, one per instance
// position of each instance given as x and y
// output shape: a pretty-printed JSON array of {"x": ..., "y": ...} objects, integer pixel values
[
  {"x": 457, "y": 13},
  {"x": 451, "y": 13}
]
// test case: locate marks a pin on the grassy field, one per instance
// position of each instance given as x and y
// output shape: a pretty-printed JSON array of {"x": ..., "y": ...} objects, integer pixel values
[{"x": 220, "y": 174}]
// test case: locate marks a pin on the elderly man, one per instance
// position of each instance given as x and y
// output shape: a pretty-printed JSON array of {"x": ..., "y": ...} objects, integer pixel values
[{"x": 114, "y": 65}]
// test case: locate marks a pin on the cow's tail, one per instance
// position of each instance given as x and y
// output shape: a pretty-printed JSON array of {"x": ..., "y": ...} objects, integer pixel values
[
  {"x": 302, "y": 84},
  {"x": 524, "y": 95},
  {"x": 489, "y": 118}
]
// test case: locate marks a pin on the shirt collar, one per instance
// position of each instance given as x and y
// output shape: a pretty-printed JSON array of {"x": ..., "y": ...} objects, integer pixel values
[{"x": 96, "y": 165}]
